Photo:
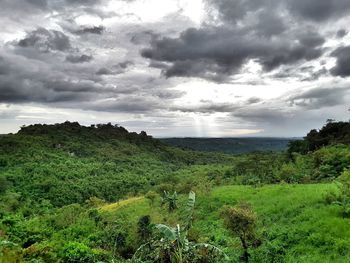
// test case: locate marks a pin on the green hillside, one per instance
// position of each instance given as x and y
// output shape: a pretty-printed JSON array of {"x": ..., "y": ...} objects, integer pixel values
[
  {"x": 70, "y": 193},
  {"x": 295, "y": 223}
]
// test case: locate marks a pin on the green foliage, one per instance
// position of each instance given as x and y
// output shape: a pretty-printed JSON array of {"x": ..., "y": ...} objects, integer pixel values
[
  {"x": 170, "y": 199},
  {"x": 56, "y": 182},
  {"x": 10, "y": 252},
  {"x": 343, "y": 200},
  {"x": 241, "y": 221},
  {"x": 151, "y": 196},
  {"x": 229, "y": 145},
  {"x": 331, "y": 133},
  {"x": 77, "y": 252},
  {"x": 4, "y": 184},
  {"x": 171, "y": 244},
  {"x": 144, "y": 228},
  {"x": 68, "y": 163}
]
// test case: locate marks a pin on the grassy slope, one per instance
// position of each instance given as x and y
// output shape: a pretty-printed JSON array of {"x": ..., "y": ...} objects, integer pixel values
[{"x": 294, "y": 222}]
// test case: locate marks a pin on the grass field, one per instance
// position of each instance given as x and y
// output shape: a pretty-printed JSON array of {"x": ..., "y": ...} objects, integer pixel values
[{"x": 295, "y": 224}]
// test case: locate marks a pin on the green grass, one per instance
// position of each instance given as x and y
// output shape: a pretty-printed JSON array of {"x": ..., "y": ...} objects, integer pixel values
[{"x": 294, "y": 222}]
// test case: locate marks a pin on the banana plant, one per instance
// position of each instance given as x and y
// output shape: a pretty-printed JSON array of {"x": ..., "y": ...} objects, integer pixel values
[{"x": 171, "y": 244}]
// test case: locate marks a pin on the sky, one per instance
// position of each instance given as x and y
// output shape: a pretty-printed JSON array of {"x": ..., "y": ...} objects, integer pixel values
[{"x": 175, "y": 68}]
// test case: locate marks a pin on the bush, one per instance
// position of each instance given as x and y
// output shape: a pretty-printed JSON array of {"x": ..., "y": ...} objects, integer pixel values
[
  {"x": 151, "y": 196},
  {"x": 74, "y": 252},
  {"x": 241, "y": 221}
]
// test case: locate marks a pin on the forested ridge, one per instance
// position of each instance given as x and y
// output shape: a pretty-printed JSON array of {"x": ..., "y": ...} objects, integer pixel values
[{"x": 71, "y": 193}]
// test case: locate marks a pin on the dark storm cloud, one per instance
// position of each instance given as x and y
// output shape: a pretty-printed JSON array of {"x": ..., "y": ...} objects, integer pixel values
[
  {"x": 318, "y": 10},
  {"x": 342, "y": 67},
  {"x": 341, "y": 33},
  {"x": 45, "y": 40},
  {"x": 320, "y": 98},
  {"x": 215, "y": 52},
  {"x": 98, "y": 30},
  {"x": 270, "y": 32},
  {"x": 313, "y": 10},
  {"x": 82, "y": 2},
  {"x": 115, "y": 69},
  {"x": 104, "y": 71},
  {"x": 27, "y": 81},
  {"x": 22, "y": 6},
  {"x": 127, "y": 104},
  {"x": 79, "y": 58},
  {"x": 70, "y": 85}
]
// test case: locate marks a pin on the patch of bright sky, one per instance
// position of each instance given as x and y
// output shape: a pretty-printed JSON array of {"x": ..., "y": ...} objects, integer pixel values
[
  {"x": 197, "y": 90},
  {"x": 154, "y": 10}
]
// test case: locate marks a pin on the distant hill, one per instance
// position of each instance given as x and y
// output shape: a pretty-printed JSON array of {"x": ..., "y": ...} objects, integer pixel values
[
  {"x": 230, "y": 145},
  {"x": 68, "y": 163}
]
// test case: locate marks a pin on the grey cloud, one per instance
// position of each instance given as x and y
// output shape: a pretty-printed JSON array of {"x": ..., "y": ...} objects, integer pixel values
[
  {"x": 79, "y": 58},
  {"x": 8, "y": 113},
  {"x": 22, "y": 6},
  {"x": 104, "y": 71},
  {"x": 115, "y": 69},
  {"x": 167, "y": 94},
  {"x": 270, "y": 32},
  {"x": 341, "y": 33},
  {"x": 83, "y": 2},
  {"x": 127, "y": 104},
  {"x": 208, "y": 107},
  {"x": 320, "y": 98},
  {"x": 37, "y": 3},
  {"x": 215, "y": 53},
  {"x": 313, "y": 10},
  {"x": 318, "y": 10},
  {"x": 142, "y": 37},
  {"x": 269, "y": 24},
  {"x": 253, "y": 100},
  {"x": 98, "y": 30},
  {"x": 29, "y": 81},
  {"x": 315, "y": 75},
  {"x": 342, "y": 67},
  {"x": 125, "y": 64},
  {"x": 271, "y": 115},
  {"x": 46, "y": 40},
  {"x": 311, "y": 38},
  {"x": 24, "y": 80}
]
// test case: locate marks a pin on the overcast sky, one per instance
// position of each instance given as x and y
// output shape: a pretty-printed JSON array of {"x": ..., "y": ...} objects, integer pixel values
[{"x": 209, "y": 68}]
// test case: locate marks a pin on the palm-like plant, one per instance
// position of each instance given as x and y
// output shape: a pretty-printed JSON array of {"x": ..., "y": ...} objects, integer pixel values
[{"x": 171, "y": 244}]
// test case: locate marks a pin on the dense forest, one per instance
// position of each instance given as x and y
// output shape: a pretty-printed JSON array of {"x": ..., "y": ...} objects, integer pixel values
[
  {"x": 230, "y": 145},
  {"x": 71, "y": 193}
]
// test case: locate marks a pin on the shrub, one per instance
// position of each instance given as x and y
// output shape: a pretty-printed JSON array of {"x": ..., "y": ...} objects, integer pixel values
[
  {"x": 151, "y": 196},
  {"x": 241, "y": 221},
  {"x": 144, "y": 228},
  {"x": 74, "y": 252},
  {"x": 344, "y": 198}
]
